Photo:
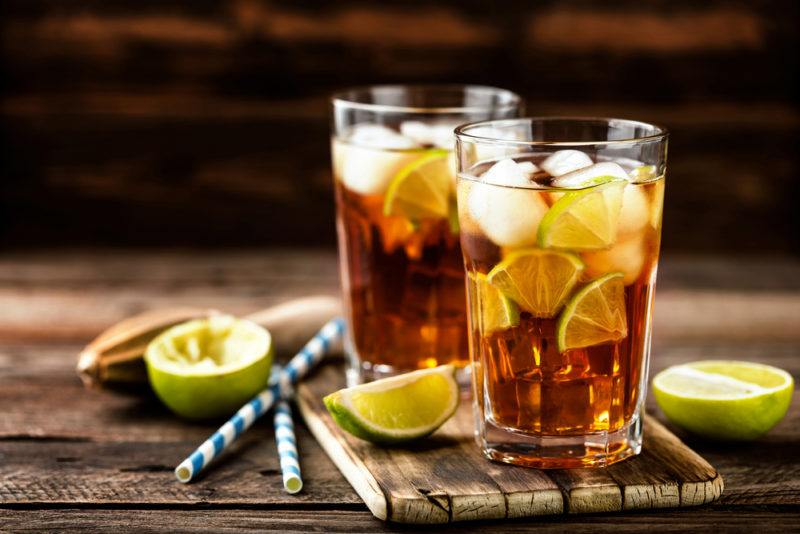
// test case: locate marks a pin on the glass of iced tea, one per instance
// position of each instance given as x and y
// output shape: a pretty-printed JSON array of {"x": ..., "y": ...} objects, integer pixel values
[
  {"x": 560, "y": 224},
  {"x": 401, "y": 265}
]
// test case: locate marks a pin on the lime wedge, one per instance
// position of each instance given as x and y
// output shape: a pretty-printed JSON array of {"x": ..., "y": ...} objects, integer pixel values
[
  {"x": 399, "y": 408},
  {"x": 538, "y": 280},
  {"x": 585, "y": 219},
  {"x": 209, "y": 367},
  {"x": 422, "y": 188},
  {"x": 594, "y": 315},
  {"x": 493, "y": 309},
  {"x": 724, "y": 399}
]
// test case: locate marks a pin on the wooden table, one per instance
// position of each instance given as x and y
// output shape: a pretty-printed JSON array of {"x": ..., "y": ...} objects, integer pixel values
[{"x": 99, "y": 461}]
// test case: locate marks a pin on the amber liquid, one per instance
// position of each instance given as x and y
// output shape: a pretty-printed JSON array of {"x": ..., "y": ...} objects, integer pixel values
[
  {"x": 404, "y": 285},
  {"x": 524, "y": 384}
]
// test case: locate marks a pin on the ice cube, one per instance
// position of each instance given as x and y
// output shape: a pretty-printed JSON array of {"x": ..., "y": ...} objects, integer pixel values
[
  {"x": 485, "y": 151},
  {"x": 583, "y": 177},
  {"x": 379, "y": 136},
  {"x": 528, "y": 167},
  {"x": 439, "y": 134},
  {"x": 565, "y": 161},
  {"x": 368, "y": 171},
  {"x": 505, "y": 207},
  {"x": 635, "y": 212},
  {"x": 627, "y": 257},
  {"x": 507, "y": 172}
]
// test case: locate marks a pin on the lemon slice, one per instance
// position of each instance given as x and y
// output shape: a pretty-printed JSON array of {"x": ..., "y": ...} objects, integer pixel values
[
  {"x": 594, "y": 315},
  {"x": 399, "y": 408},
  {"x": 585, "y": 219},
  {"x": 421, "y": 189},
  {"x": 538, "y": 280},
  {"x": 209, "y": 367},
  {"x": 724, "y": 399},
  {"x": 492, "y": 308}
]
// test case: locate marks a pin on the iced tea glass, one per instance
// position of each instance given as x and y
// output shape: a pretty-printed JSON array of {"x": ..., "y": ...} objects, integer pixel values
[
  {"x": 401, "y": 266},
  {"x": 560, "y": 228}
]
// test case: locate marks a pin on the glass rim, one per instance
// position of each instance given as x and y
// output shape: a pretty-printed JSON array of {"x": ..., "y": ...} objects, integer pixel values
[
  {"x": 341, "y": 98},
  {"x": 462, "y": 133}
]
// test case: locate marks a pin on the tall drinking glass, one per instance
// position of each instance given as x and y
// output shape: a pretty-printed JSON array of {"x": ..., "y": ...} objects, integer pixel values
[
  {"x": 560, "y": 228},
  {"x": 401, "y": 266}
]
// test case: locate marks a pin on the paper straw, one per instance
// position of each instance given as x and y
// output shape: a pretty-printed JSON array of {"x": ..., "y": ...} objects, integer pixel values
[
  {"x": 303, "y": 361},
  {"x": 287, "y": 448}
]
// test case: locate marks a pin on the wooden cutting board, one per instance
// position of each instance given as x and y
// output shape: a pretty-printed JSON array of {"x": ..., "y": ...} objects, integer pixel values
[{"x": 444, "y": 477}]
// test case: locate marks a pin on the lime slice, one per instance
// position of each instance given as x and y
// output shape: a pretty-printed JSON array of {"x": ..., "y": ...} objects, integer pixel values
[
  {"x": 594, "y": 315},
  {"x": 422, "y": 188},
  {"x": 209, "y": 367},
  {"x": 538, "y": 280},
  {"x": 493, "y": 309},
  {"x": 724, "y": 399},
  {"x": 399, "y": 408},
  {"x": 643, "y": 173},
  {"x": 585, "y": 219}
]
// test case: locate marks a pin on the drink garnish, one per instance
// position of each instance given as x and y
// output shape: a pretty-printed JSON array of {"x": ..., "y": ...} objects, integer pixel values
[{"x": 397, "y": 409}]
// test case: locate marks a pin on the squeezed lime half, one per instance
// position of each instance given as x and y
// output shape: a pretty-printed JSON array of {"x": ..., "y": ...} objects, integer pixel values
[{"x": 209, "y": 368}]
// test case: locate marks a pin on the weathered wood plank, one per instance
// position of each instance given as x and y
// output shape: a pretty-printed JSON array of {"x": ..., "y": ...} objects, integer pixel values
[
  {"x": 303, "y": 521},
  {"x": 447, "y": 472},
  {"x": 75, "y": 295},
  {"x": 46, "y": 469}
]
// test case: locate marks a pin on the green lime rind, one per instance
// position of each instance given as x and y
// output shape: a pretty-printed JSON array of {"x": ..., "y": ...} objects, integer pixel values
[
  {"x": 346, "y": 417},
  {"x": 492, "y": 307},
  {"x": 569, "y": 312},
  {"x": 526, "y": 276},
  {"x": 195, "y": 388},
  {"x": 436, "y": 200},
  {"x": 736, "y": 417},
  {"x": 585, "y": 219}
]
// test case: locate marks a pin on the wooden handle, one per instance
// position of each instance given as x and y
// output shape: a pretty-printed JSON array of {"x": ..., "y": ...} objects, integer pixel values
[{"x": 114, "y": 358}]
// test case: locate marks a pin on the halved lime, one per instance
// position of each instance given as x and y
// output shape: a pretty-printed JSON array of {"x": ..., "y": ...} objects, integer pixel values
[
  {"x": 538, "y": 280},
  {"x": 209, "y": 367},
  {"x": 594, "y": 315},
  {"x": 585, "y": 219},
  {"x": 421, "y": 189},
  {"x": 494, "y": 310},
  {"x": 399, "y": 408},
  {"x": 724, "y": 399}
]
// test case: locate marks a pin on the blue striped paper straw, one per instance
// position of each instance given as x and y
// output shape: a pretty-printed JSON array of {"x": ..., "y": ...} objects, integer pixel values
[
  {"x": 303, "y": 361},
  {"x": 287, "y": 448}
]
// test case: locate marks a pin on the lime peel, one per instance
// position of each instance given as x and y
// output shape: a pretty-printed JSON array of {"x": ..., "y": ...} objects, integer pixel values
[
  {"x": 585, "y": 219},
  {"x": 723, "y": 399},
  {"x": 208, "y": 368},
  {"x": 399, "y": 408},
  {"x": 422, "y": 188}
]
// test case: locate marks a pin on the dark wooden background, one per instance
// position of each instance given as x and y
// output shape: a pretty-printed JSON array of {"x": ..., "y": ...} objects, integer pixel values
[{"x": 205, "y": 123}]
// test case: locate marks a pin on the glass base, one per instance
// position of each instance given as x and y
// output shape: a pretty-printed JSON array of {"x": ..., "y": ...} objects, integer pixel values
[
  {"x": 560, "y": 452},
  {"x": 361, "y": 372}
]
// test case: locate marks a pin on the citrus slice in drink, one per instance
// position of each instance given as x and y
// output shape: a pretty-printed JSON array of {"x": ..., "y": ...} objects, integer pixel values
[
  {"x": 494, "y": 310},
  {"x": 399, "y": 408},
  {"x": 585, "y": 219},
  {"x": 421, "y": 189},
  {"x": 539, "y": 281},
  {"x": 209, "y": 368},
  {"x": 594, "y": 315},
  {"x": 724, "y": 399}
]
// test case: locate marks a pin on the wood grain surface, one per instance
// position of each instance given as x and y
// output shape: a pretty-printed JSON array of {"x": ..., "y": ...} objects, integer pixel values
[
  {"x": 95, "y": 461},
  {"x": 446, "y": 479}
]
